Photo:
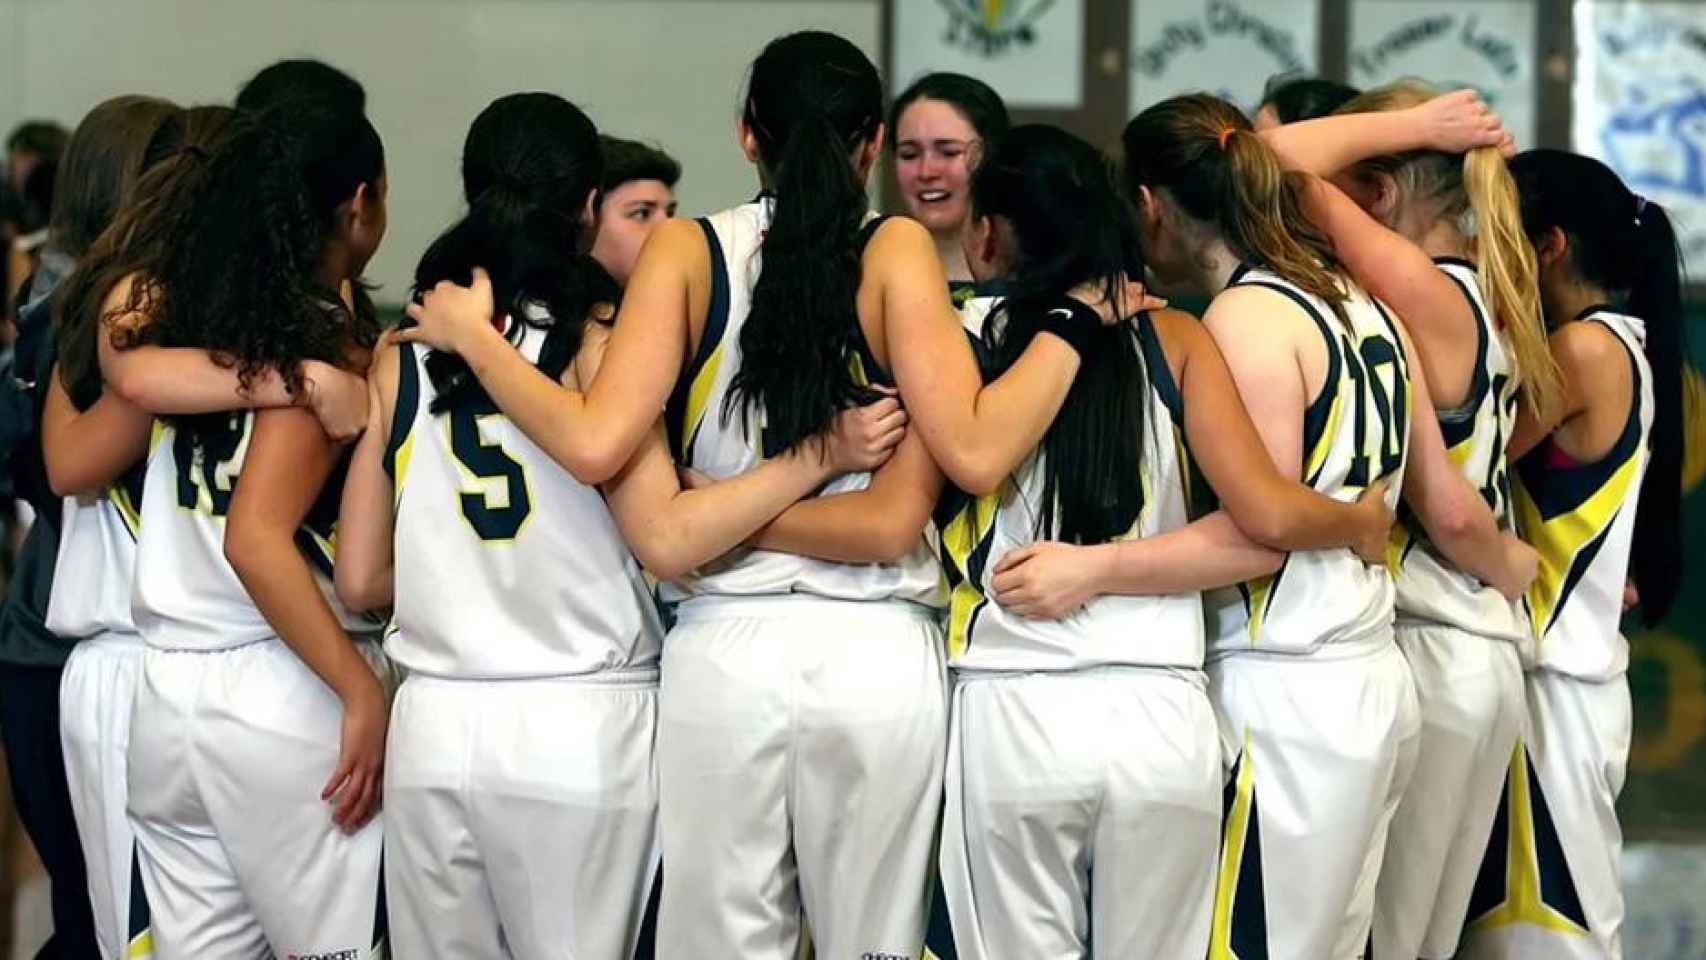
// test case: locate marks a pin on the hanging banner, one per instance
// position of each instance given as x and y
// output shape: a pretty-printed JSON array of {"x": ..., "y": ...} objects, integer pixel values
[
  {"x": 1485, "y": 44},
  {"x": 1225, "y": 47},
  {"x": 1030, "y": 51},
  {"x": 1639, "y": 104}
]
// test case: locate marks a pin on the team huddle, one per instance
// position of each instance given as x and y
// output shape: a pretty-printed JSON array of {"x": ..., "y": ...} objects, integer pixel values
[{"x": 826, "y": 570}]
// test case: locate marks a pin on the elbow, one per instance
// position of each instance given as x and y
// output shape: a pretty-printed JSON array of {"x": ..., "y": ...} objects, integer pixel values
[
  {"x": 898, "y": 537},
  {"x": 597, "y": 465},
  {"x": 1274, "y": 529},
  {"x": 360, "y": 589},
  {"x": 65, "y": 481},
  {"x": 1268, "y": 563},
  {"x": 659, "y": 560},
  {"x": 246, "y": 547},
  {"x": 974, "y": 476},
  {"x": 130, "y": 383}
]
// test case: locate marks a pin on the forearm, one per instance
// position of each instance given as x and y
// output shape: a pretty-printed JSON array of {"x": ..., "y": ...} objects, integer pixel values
[
  {"x": 363, "y": 572},
  {"x": 853, "y": 527},
  {"x": 1463, "y": 529},
  {"x": 1006, "y": 419},
  {"x": 173, "y": 380},
  {"x": 279, "y": 581},
  {"x": 592, "y": 443},
  {"x": 1326, "y": 145},
  {"x": 1207, "y": 553},
  {"x": 85, "y": 452},
  {"x": 1295, "y": 517}
]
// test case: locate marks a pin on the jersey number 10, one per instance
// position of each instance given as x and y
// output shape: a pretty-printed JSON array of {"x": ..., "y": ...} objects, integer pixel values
[{"x": 1391, "y": 410}]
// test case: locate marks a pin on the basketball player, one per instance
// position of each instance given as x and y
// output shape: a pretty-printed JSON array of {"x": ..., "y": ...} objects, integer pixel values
[
  {"x": 1441, "y": 242},
  {"x": 939, "y": 128},
  {"x": 546, "y": 843},
  {"x": 1058, "y": 836},
  {"x": 93, "y": 458},
  {"x": 1598, "y": 493},
  {"x": 250, "y": 673},
  {"x": 1317, "y": 711},
  {"x": 636, "y": 194}
]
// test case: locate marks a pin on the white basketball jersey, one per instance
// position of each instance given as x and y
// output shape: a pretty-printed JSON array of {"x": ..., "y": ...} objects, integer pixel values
[
  {"x": 506, "y": 565},
  {"x": 187, "y": 596},
  {"x": 1110, "y": 629},
  {"x": 722, "y": 440},
  {"x": 1581, "y": 519},
  {"x": 1355, "y": 432},
  {"x": 1429, "y": 586},
  {"x": 96, "y": 562}
]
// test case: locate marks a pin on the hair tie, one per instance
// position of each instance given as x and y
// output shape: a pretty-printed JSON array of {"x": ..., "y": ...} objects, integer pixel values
[{"x": 1225, "y": 135}]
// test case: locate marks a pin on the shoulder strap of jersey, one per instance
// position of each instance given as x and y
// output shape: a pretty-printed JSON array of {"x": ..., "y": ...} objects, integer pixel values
[
  {"x": 1458, "y": 423},
  {"x": 403, "y": 414},
  {"x": 1316, "y": 415},
  {"x": 1155, "y": 365},
  {"x": 710, "y": 341}
]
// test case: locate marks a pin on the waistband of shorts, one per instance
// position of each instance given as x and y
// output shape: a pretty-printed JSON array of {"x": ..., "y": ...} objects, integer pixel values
[
  {"x": 359, "y": 639},
  {"x": 1187, "y": 674},
  {"x": 790, "y": 606},
  {"x": 623, "y": 677},
  {"x": 122, "y": 641},
  {"x": 1405, "y": 622},
  {"x": 1370, "y": 643}
]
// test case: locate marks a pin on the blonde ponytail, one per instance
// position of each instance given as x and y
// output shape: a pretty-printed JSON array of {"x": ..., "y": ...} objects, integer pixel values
[
  {"x": 1509, "y": 275},
  {"x": 1265, "y": 220}
]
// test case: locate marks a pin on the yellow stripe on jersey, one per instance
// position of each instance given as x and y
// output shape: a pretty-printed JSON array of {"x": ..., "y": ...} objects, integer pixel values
[
  {"x": 1259, "y": 597},
  {"x": 1324, "y": 442},
  {"x": 405, "y": 453},
  {"x": 1234, "y": 850},
  {"x": 971, "y": 528},
  {"x": 127, "y": 510},
  {"x": 155, "y": 432},
  {"x": 141, "y": 946},
  {"x": 1524, "y": 902},
  {"x": 1398, "y": 546},
  {"x": 1561, "y": 540},
  {"x": 698, "y": 397}
]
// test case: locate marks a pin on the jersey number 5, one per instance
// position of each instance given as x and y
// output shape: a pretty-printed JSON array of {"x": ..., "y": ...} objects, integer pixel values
[
  {"x": 489, "y": 462},
  {"x": 1391, "y": 409}
]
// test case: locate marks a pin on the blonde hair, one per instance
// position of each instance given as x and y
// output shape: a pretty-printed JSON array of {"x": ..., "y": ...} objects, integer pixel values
[
  {"x": 1476, "y": 187},
  {"x": 1204, "y": 152}
]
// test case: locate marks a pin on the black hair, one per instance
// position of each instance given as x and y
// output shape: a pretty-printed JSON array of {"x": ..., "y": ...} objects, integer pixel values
[
  {"x": 1625, "y": 244},
  {"x": 629, "y": 160},
  {"x": 44, "y": 138},
  {"x": 1069, "y": 225},
  {"x": 1295, "y": 98},
  {"x": 37, "y": 195},
  {"x": 528, "y": 165},
  {"x": 225, "y": 255},
  {"x": 813, "y": 99},
  {"x": 295, "y": 81},
  {"x": 977, "y": 101}
]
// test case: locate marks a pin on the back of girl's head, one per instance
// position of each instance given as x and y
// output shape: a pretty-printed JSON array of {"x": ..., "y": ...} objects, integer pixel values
[
  {"x": 1202, "y": 153},
  {"x": 102, "y": 162},
  {"x": 1625, "y": 245},
  {"x": 813, "y": 102},
  {"x": 975, "y": 100},
  {"x": 529, "y": 165},
  {"x": 1294, "y": 98},
  {"x": 1476, "y": 191},
  {"x": 293, "y": 81},
  {"x": 1056, "y": 199}
]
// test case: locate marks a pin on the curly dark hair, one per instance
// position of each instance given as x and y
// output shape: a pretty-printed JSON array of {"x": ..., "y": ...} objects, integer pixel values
[{"x": 224, "y": 246}]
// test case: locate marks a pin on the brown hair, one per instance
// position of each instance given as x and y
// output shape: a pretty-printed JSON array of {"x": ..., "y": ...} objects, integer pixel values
[
  {"x": 169, "y": 162},
  {"x": 1476, "y": 186},
  {"x": 1241, "y": 188},
  {"x": 101, "y": 165}
]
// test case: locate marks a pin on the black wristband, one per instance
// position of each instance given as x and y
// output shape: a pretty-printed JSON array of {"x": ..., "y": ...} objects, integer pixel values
[{"x": 1072, "y": 321}]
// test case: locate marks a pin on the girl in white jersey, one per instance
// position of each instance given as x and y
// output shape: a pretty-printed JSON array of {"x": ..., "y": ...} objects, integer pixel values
[
  {"x": 238, "y": 704},
  {"x": 548, "y": 840},
  {"x": 1060, "y": 832},
  {"x": 1598, "y": 493},
  {"x": 1317, "y": 710},
  {"x": 95, "y": 433},
  {"x": 1437, "y": 234}
]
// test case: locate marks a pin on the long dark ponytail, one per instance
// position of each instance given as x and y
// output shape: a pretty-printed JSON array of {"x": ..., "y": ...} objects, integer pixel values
[
  {"x": 529, "y": 165},
  {"x": 1625, "y": 244},
  {"x": 813, "y": 99},
  {"x": 1069, "y": 225}
]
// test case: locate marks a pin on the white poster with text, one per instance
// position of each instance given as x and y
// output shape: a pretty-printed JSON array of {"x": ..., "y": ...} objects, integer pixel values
[
  {"x": 1030, "y": 51},
  {"x": 1225, "y": 47}
]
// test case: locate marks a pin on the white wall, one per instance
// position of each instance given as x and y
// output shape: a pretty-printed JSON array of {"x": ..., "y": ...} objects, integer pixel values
[{"x": 668, "y": 71}]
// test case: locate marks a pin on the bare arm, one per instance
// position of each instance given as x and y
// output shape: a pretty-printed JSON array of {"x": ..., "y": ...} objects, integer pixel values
[
  {"x": 591, "y": 433},
  {"x": 976, "y": 433},
  {"x": 1453, "y": 123},
  {"x": 85, "y": 451},
  {"x": 288, "y": 461},
  {"x": 1456, "y": 518},
  {"x": 878, "y": 524},
  {"x": 366, "y": 549},
  {"x": 1593, "y": 377}
]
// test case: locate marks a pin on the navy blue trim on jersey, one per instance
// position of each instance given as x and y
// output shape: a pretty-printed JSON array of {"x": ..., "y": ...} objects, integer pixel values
[
  {"x": 1595, "y": 308},
  {"x": 716, "y": 323},
  {"x": 1315, "y": 415},
  {"x": 1457, "y": 424},
  {"x": 1456, "y": 261},
  {"x": 408, "y": 402},
  {"x": 1558, "y": 490},
  {"x": 1155, "y": 364}
]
